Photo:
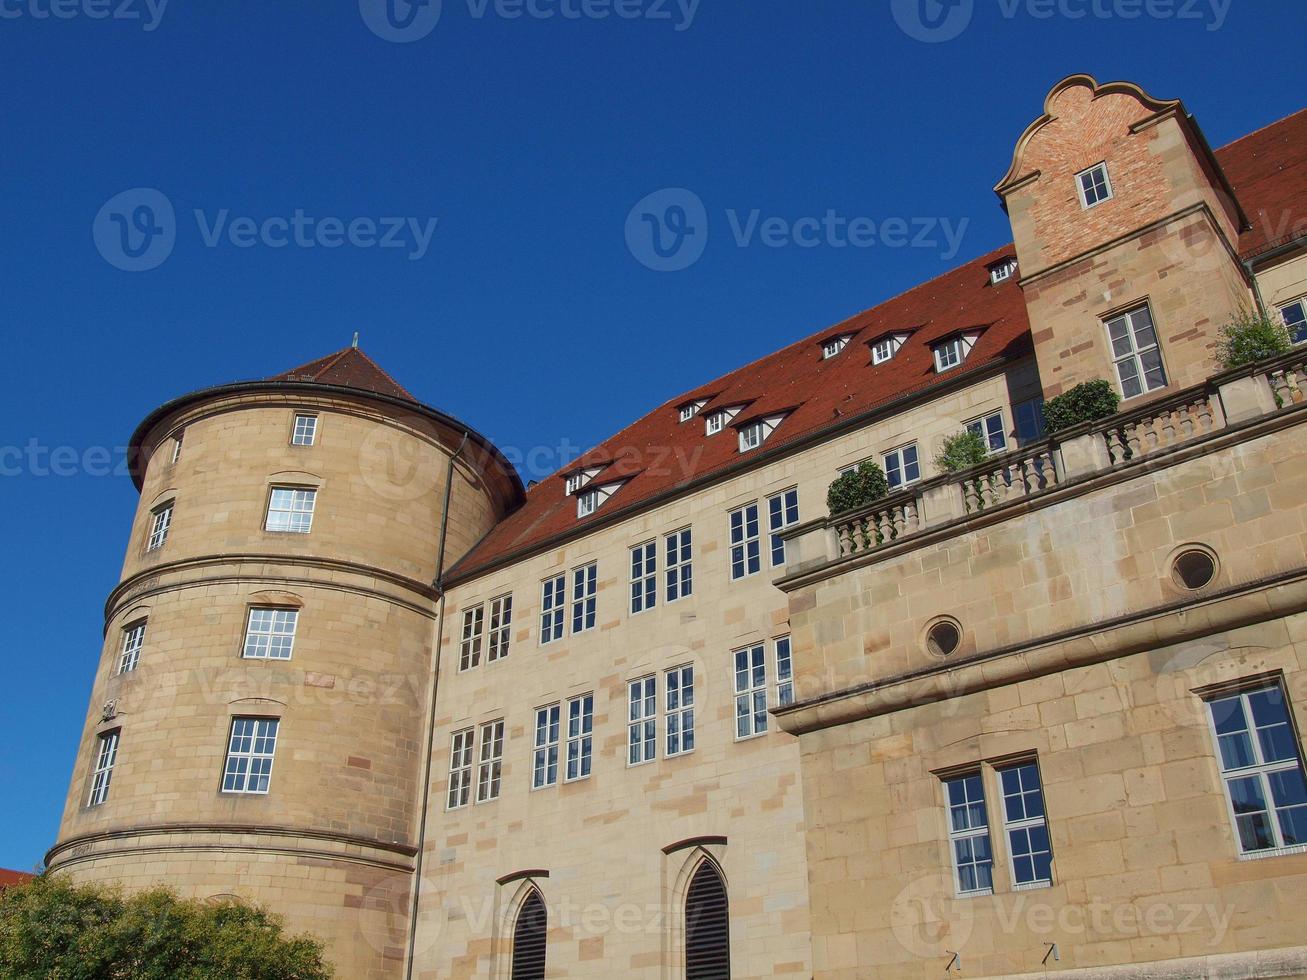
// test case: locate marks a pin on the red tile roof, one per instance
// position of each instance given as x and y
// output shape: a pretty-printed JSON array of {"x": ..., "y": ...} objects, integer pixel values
[
  {"x": 1268, "y": 170},
  {"x": 348, "y": 368},
  {"x": 9, "y": 878}
]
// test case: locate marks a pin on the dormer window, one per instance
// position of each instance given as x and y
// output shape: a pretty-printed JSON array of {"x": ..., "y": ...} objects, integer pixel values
[
  {"x": 886, "y": 347},
  {"x": 1001, "y": 271},
  {"x": 751, "y": 437},
  {"x": 952, "y": 351},
  {"x": 1093, "y": 185},
  {"x": 587, "y": 503},
  {"x": 719, "y": 419},
  {"x": 833, "y": 345},
  {"x": 575, "y": 481},
  {"x": 691, "y": 409}
]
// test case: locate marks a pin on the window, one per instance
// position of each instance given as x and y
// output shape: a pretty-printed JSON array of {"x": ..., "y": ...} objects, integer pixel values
[
  {"x": 1002, "y": 271},
  {"x": 133, "y": 640},
  {"x": 834, "y": 345},
  {"x": 490, "y": 763},
  {"x": 249, "y": 755},
  {"x": 530, "y": 934},
  {"x": 886, "y": 347},
  {"x": 460, "y": 770},
  {"x": 1029, "y": 417},
  {"x": 1261, "y": 768},
  {"x": 902, "y": 466},
  {"x": 105, "y": 755},
  {"x": 291, "y": 509},
  {"x": 750, "y": 691},
  {"x": 990, "y": 428},
  {"x": 305, "y": 431},
  {"x": 745, "y": 557},
  {"x": 585, "y": 581},
  {"x": 160, "y": 522},
  {"x": 707, "y": 926},
  {"x": 469, "y": 649},
  {"x": 644, "y": 576},
  {"x": 177, "y": 445},
  {"x": 968, "y": 832},
  {"x": 680, "y": 568},
  {"x": 949, "y": 354},
  {"x": 784, "y": 672},
  {"x": 751, "y": 436},
  {"x": 1094, "y": 186},
  {"x": 270, "y": 633},
  {"x": 553, "y": 592},
  {"x": 501, "y": 626},
  {"x": 714, "y": 423},
  {"x": 782, "y": 512},
  {"x": 587, "y": 503},
  {"x": 580, "y": 725},
  {"x": 642, "y": 721},
  {"x": 545, "y": 759},
  {"x": 1135, "y": 352},
  {"x": 679, "y": 685},
  {"x": 1027, "y": 829},
  {"x": 1295, "y": 320},
  {"x": 687, "y": 412}
]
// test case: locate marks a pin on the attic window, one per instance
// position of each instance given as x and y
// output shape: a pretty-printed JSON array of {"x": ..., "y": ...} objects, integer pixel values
[
  {"x": 718, "y": 419},
  {"x": 587, "y": 503},
  {"x": 832, "y": 346},
  {"x": 1094, "y": 185},
  {"x": 953, "y": 351},
  {"x": 575, "y": 481},
  {"x": 754, "y": 434},
  {"x": 886, "y": 347},
  {"x": 690, "y": 410},
  {"x": 1001, "y": 271}
]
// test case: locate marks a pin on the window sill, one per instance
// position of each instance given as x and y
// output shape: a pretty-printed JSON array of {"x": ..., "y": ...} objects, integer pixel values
[
  {"x": 1273, "y": 852},
  {"x": 750, "y": 738},
  {"x": 980, "y": 893},
  {"x": 1031, "y": 886}
]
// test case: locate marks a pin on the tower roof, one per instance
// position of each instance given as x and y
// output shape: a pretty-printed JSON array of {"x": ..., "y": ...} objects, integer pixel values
[{"x": 347, "y": 368}]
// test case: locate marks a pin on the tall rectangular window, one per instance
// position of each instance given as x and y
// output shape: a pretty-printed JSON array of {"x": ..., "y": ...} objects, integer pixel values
[
  {"x": 1135, "y": 352},
  {"x": 544, "y": 762},
  {"x": 270, "y": 633},
  {"x": 902, "y": 466},
  {"x": 553, "y": 595},
  {"x": 133, "y": 640},
  {"x": 782, "y": 512},
  {"x": 160, "y": 522},
  {"x": 501, "y": 626},
  {"x": 177, "y": 445},
  {"x": 680, "y": 567},
  {"x": 784, "y": 672},
  {"x": 305, "y": 431},
  {"x": 642, "y": 720},
  {"x": 745, "y": 557},
  {"x": 750, "y": 691},
  {"x": 1261, "y": 768},
  {"x": 1094, "y": 185},
  {"x": 585, "y": 582},
  {"x": 1295, "y": 320},
  {"x": 580, "y": 738},
  {"x": 990, "y": 429},
  {"x": 968, "y": 832},
  {"x": 291, "y": 509},
  {"x": 644, "y": 576},
  {"x": 1029, "y": 849},
  {"x": 106, "y": 753},
  {"x": 490, "y": 762},
  {"x": 460, "y": 769},
  {"x": 680, "y": 709},
  {"x": 469, "y": 648},
  {"x": 249, "y": 755},
  {"x": 1029, "y": 417}
]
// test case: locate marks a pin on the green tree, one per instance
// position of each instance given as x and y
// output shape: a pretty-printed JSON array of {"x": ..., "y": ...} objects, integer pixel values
[
  {"x": 1088, "y": 401},
  {"x": 862, "y": 485},
  {"x": 962, "y": 451},
  {"x": 1250, "y": 337},
  {"x": 55, "y": 930}
]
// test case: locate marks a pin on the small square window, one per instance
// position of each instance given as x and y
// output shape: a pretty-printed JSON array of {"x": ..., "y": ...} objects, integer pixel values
[
  {"x": 751, "y": 437},
  {"x": 1002, "y": 271},
  {"x": 834, "y": 345},
  {"x": 949, "y": 354},
  {"x": 687, "y": 412},
  {"x": 290, "y": 509},
  {"x": 587, "y": 503},
  {"x": 305, "y": 431},
  {"x": 270, "y": 634},
  {"x": 715, "y": 423},
  {"x": 1094, "y": 185}
]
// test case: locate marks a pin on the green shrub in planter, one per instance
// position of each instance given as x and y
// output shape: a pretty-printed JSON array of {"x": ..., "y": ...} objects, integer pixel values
[
  {"x": 857, "y": 488},
  {"x": 1251, "y": 337},
  {"x": 1088, "y": 401},
  {"x": 962, "y": 451}
]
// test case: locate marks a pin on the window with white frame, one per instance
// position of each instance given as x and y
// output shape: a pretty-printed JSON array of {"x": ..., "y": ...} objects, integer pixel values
[
  {"x": 644, "y": 576},
  {"x": 833, "y": 345},
  {"x": 585, "y": 584},
  {"x": 949, "y": 354},
  {"x": 1261, "y": 768},
  {"x": 1094, "y": 185},
  {"x": 1135, "y": 352},
  {"x": 715, "y": 422},
  {"x": 902, "y": 466},
  {"x": 1029, "y": 849},
  {"x": 1029, "y": 418},
  {"x": 270, "y": 633},
  {"x": 580, "y": 738},
  {"x": 679, "y": 705},
  {"x": 746, "y": 558},
  {"x": 250, "y": 752},
  {"x": 884, "y": 348},
  {"x": 177, "y": 445},
  {"x": 680, "y": 564},
  {"x": 782, "y": 513},
  {"x": 490, "y": 761},
  {"x": 587, "y": 503},
  {"x": 553, "y": 597},
  {"x": 968, "y": 832},
  {"x": 751, "y": 436},
  {"x": 750, "y": 691},
  {"x": 784, "y": 672},
  {"x": 106, "y": 753},
  {"x": 990, "y": 429},
  {"x": 160, "y": 522},
  {"x": 290, "y": 509},
  {"x": 305, "y": 431},
  {"x": 501, "y": 628},
  {"x": 1002, "y": 271},
  {"x": 469, "y": 648},
  {"x": 642, "y": 720},
  {"x": 460, "y": 770},
  {"x": 133, "y": 640},
  {"x": 544, "y": 761},
  {"x": 1295, "y": 320},
  {"x": 690, "y": 410}
]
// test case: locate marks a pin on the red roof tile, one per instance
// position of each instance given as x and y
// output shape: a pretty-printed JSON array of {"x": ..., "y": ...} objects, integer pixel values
[
  {"x": 9, "y": 878},
  {"x": 348, "y": 368},
  {"x": 1268, "y": 170}
]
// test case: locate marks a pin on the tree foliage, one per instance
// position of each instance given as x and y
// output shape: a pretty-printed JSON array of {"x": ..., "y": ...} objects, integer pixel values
[
  {"x": 1088, "y": 401},
  {"x": 860, "y": 486},
  {"x": 51, "y": 928},
  {"x": 962, "y": 451},
  {"x": 1250, "y": 337}
]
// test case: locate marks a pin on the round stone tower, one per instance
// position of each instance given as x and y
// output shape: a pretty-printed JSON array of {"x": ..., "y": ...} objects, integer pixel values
[{"x": 260, "y": 714}]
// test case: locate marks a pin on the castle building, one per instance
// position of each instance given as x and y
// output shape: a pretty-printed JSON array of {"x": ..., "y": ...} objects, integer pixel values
[{"x": 663, "y": 715}]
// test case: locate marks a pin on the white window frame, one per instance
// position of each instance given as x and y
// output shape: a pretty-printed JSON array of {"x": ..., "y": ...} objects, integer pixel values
[
  {"x": 783, "y": 657},
  {"x": 585, "y": 598},
  {"x": 177, "y": 445},
  {"x": 106, "y": 755},
  {"x": 553, "y": 608},
  {"x": 949, "y": 354},
  {"x": 782, "y": 513},
  {"x": 265, "y": 634},
  {"x": 500, "y": 638},
  {"x": 750, "y": 672},
  {"x": 580, "y": 737},
  {"x": 884, "y": 348},
  {"x": 587, "y": 503},
  {"x": 1081, "y": 189},
  {"x": 133, "y": 641},
  {"x": 256, "y": 780},
  {"x": 304, "y": 431},
  {"x": 544, "y": 746},
  {"x": 469, "y": 647},
  {"x": 687, "y": 412},
  {"x": 1135, "y": 355},
  {"x": 678, "y": 573},
  {"x": 752, "y": 435},
  {"x": 902, "y": 465},
  {"x": 745, "y": 543},
  {"x": 160, "y": 524},
  {"x": 642, "y": 720},
  {"x": 969, "y": 832},
  {"x": 715, "y": 423},
  {"x": 1297, "y": 327},
  {"x": 644, "y": 577},
  {"x": 1002, "y": 271},
  {"x": 990, "y": 426},
  {"x": 459, "y": 794},
  {"x": 293, "y": 507},
  {"x": 831, "y": 347},
  {"x": 490, "y": 761},
  {"x": 678, "y": 708},
  {"x": 1024, "y": 824}
]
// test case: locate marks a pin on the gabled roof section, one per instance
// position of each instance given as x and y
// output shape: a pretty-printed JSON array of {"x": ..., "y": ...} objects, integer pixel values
[{"x": 348, "y": 368}]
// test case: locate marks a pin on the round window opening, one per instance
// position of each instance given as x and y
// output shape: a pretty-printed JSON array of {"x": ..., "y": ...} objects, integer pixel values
[
  {"x": 943, "y": 638},
  {"x": 1194, "y": 570}
]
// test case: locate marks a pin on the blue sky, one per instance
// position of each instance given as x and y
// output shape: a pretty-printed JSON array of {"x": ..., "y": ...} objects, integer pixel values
[{"x": 529, "y": 139}]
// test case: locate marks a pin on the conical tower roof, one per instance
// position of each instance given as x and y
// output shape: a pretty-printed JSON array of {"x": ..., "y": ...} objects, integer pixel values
[{"x": 347, "y": 368}]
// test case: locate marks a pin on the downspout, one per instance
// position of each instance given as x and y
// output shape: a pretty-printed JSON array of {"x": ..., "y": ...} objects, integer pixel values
[{"x": 431, "y": 714}]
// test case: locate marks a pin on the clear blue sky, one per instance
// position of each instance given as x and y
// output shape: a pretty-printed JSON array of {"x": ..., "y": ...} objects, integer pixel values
[{"x": 529, "y": 139}]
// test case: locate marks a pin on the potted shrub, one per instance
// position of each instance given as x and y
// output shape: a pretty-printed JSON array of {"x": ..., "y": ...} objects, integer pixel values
[
  {"x": 1251, "y": 337},
  {"x": 1088, "y": 401},
  {"x": 862, "y": 485},
  {"x": 962, "y": 451}
]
